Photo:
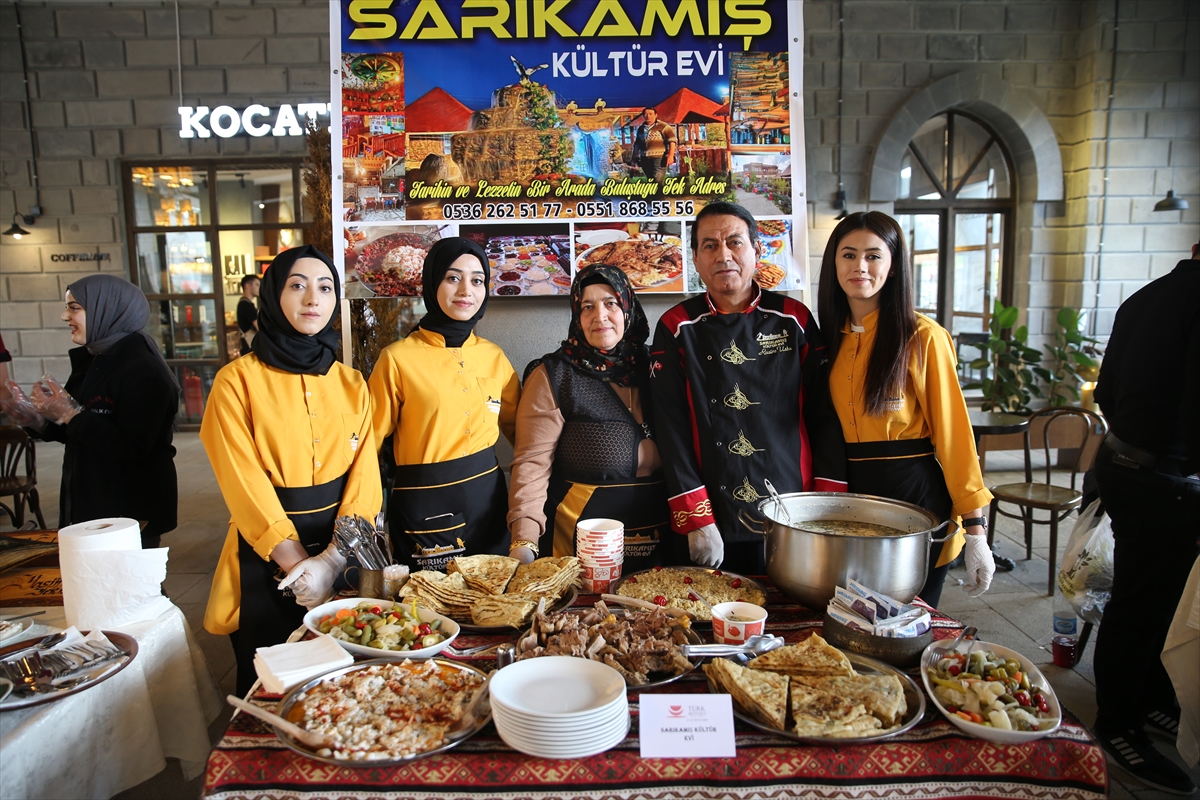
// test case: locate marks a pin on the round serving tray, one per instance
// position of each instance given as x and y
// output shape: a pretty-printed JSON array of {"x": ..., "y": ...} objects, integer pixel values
[
  {"x": 696, "y": 620},
  {"x": 913, "y": 696},
  {"x": 293, "y": 697},
  {"x": 124, "y": 641},
  {"x": 692, "y": 638}
]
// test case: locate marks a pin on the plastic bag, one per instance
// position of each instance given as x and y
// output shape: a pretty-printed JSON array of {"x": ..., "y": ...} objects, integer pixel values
[
  {"x": 53, "y": 402},
  {"x": 20, "y": 409},
  {"x": 1086, "y": 575}
]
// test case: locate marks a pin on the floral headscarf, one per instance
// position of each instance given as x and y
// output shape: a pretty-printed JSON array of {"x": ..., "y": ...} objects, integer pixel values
[{"x": 625, "y": 363}]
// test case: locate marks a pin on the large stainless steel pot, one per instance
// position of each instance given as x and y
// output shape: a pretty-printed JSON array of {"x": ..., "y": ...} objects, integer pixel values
[{"x": 807, "y": 565}]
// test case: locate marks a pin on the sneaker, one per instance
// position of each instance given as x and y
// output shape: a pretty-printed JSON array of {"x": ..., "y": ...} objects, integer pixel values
[
  {"x": 1133, "y": 752},
  {"x": 1003, "y": 563},
  {"x": 1163, "y": 724}
]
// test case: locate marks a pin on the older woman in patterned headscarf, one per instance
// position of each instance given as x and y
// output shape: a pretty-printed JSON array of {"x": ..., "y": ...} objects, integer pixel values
[{"x": 585, "y": 439}]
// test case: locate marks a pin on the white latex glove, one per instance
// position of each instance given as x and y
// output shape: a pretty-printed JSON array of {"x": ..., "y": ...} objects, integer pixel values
[
  {"x": 312, "y": 579},
  {"x": 706, "y": 547},
  {"x": 980, "y": 565},
  {"x": 522, "y": 554}
]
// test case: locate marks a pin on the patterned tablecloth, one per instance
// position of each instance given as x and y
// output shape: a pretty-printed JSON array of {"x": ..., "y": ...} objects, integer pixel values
[{"x": 931, "y": 760}]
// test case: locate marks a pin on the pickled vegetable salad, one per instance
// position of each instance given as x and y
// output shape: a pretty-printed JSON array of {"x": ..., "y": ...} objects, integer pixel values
[
  {"x": 990, "y": 691},
  {"x": 396, "y": 628}
]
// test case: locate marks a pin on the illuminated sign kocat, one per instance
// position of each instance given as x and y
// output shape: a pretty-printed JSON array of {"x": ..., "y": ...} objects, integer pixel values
[{"x": 254, "y": 120}]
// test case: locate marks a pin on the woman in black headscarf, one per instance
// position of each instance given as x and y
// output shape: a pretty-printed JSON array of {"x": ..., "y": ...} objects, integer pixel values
[
  {"x": 117, "y": 413},
  {"x": 288, "y": 432},
  {"x": 446, "y": 394},
  {"x": 585, "y": 438}
]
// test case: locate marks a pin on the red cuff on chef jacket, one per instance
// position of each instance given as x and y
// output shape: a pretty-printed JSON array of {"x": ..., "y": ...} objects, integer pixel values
[
  {"x": 827, "y": 485},
  {"x": 691, "y": 510}
]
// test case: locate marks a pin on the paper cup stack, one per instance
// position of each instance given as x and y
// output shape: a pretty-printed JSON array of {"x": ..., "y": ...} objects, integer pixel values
[{"x": 600, "y": 547}]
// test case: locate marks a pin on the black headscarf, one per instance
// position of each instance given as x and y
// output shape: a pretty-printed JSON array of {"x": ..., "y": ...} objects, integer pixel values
[
  {"x": 278, "y": 344},
  {"x": 444, "y": 253},
  {"x": 114, "y": 309},
  {"x": 624, "y": 364}
]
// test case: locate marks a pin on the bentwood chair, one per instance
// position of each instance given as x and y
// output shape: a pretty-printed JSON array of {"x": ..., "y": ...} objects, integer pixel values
[
  {"x": 1076, "y": 431},
  {"x": 15, "y": 447}
]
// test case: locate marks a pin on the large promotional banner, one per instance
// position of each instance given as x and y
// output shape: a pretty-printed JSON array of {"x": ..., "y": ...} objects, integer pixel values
[{"x": 559, "y": 133}]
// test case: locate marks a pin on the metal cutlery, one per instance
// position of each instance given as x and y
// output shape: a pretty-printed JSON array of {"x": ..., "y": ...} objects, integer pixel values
[{"x": 935, "y": 654}]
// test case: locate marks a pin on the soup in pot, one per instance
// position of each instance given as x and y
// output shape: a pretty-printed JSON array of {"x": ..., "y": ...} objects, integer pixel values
[{"x": 839, "y": 527}]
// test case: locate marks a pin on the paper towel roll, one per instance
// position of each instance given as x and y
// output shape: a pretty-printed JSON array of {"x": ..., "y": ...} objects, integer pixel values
[
  {"x": 112, "y": 533},
  {"x": 108, "y": 580}
]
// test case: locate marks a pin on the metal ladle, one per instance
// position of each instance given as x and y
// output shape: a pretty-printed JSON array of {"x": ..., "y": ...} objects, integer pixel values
[{"x": 779, "y": 503}]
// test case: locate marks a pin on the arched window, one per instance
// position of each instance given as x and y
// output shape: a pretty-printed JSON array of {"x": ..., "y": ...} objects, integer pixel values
[{"x": 955, "y": 201}]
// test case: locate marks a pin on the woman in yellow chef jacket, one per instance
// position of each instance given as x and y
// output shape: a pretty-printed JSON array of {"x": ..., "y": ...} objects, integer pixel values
[
  {"x": 288, "y": 432},
  {"x": 446, "y": 394},
  {"x": 895, "y": 387}
]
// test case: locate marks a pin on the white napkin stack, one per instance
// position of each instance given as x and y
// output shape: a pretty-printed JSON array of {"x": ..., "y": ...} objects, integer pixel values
[
  {"x": 108, "y": 579},
  {"x": 286, "y": 665}
]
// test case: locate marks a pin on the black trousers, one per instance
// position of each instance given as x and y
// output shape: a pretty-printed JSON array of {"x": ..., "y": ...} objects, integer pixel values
[{"x": 1154, "y": 521}]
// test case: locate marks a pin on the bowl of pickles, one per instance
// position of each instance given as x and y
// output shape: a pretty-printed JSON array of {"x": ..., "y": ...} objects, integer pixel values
[{"x": 383, "y": 628}]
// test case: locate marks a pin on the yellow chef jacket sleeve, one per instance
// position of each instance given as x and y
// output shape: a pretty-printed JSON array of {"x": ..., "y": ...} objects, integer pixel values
[
  {"x": 945, "y": 412},
  {"x": 363, "y": 495},
  {"x": 387, "y": 396},
  {"x": 509, "y": 401},
  {"x": 225, "y": 432}
]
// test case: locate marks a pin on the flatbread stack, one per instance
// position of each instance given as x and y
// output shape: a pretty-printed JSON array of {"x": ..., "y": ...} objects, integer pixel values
[
  {"x": 763, "y": 695},
  {"x": 812, "y": 657},
  {"x": 444, "y": 593},
  {"x": 816, "y": 682},
  {"x": 548, "y": 576},
  {"x": 492, "y": 590},
  {"x": 485, "y": 573}
]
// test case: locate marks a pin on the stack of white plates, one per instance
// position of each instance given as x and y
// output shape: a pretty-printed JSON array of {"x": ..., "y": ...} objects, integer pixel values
[{"x": 560, "y": 707}]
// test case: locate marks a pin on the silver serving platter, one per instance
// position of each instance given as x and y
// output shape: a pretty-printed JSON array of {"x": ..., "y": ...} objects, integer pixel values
[
  {"x": 913, "y": 696},
  {"x": 96, "y": 675},
  {"x": 293, "y": 697},
  {"x": 562, "y": 603},
  {"x": 696, "y": 620},
  {"x": 692, "y": 638}
]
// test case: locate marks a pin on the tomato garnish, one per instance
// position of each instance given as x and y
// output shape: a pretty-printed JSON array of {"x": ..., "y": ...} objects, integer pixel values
[
  {"x": 660, "y": 600},
  {"x": 687, "y": 578},
  {"x": 737, "y": 583}
]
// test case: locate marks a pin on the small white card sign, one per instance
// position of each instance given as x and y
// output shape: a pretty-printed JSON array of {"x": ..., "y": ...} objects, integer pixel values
[{"x": 686, "y": 725}]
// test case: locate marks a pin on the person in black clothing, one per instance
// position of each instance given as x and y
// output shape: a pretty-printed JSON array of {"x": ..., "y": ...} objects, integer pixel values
[
  {"x": 740, "y": 396},
  {"x": 1146, "y": 472},
  {"x": 247, "y": 312},
  {"x": 119, "y": 460}
]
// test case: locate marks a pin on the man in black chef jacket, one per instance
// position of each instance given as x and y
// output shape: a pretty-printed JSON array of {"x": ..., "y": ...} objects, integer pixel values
[
  {"x": 739, "y": 398},
  {"x": 1146, "y": 471}
]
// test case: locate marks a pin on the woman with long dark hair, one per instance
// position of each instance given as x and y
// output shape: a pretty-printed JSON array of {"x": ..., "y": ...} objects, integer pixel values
[
  {"x": 288, "y": 432},
  {"x": 585, "y": 443},
  {"x": 894, "y": 385},
  {"x": 446, "y": 395}
]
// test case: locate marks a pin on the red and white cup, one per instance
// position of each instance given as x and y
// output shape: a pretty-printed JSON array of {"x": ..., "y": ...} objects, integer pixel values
[
  {"x": 734, "y": 623},
  {"x": 600, "y": 546}
]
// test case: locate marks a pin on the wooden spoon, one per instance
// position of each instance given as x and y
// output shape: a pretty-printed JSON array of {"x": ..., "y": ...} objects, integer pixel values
[
  {"x": 634, "y": 602},
  {"x": 316, "y": 741}
]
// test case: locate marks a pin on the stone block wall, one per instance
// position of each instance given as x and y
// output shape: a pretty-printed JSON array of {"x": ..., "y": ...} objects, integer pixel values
[
  {"x": 1059, "y": 56},
  {"x": 104, "y": 86}
]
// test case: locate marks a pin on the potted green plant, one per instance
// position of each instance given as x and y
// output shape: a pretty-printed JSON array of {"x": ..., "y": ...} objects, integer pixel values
[
  {"x": 1073, "y": 364},
  {"x": 1009, "y": 382}
]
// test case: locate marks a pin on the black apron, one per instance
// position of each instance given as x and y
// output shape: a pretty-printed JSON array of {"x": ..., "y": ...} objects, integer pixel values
[
  {"x": 640, "y": 503},
  {"x": 452, "y": 508},
  {"x": 905, "y": 470},
  {"x": 268, "y": 616}
]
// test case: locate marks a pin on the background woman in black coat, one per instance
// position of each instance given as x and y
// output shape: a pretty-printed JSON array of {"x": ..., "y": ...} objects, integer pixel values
[{"x": 119, "y": 460}]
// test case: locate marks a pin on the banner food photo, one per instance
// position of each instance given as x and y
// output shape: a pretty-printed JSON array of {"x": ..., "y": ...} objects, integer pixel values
[{"x": 558, "y": 134}]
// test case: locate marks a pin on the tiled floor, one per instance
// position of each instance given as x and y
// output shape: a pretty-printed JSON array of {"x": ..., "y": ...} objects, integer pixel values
[{"x": 1015, "y": 612}]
